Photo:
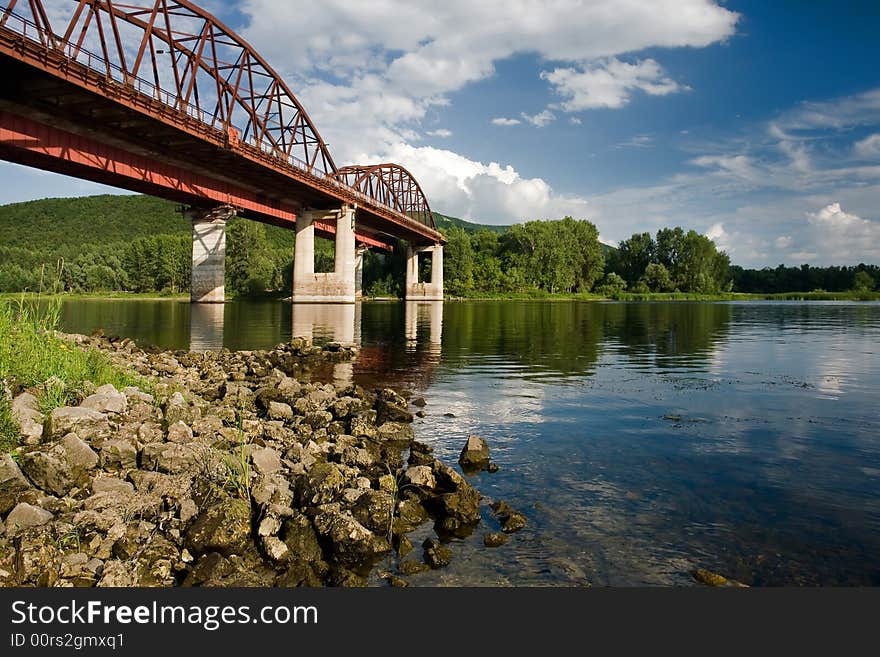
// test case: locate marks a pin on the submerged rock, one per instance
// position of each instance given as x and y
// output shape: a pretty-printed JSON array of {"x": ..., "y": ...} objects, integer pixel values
[
  {"x": 511, "y": 521},
  {"x": 494, "y": 539},
  {"x": 435, "y": 553}
]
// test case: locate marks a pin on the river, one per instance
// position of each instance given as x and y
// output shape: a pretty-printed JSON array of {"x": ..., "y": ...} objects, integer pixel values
[{"x": 642, "y": 440}]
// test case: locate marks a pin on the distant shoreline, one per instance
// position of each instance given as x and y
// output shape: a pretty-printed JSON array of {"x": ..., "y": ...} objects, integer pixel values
[{"x": 624, "y": 296}]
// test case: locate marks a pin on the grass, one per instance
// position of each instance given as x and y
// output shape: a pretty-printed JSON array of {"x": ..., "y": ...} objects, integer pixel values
[
  {"x": 540, "y": 295},
  {"x": 32, "y": 355}
]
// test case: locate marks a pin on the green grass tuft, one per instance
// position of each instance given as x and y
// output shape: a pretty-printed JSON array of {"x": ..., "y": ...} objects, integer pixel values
[{"x": 31, "y": 355}]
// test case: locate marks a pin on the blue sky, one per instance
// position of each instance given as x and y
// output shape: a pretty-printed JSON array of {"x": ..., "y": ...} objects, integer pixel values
[{"x": 757, "y": 123}]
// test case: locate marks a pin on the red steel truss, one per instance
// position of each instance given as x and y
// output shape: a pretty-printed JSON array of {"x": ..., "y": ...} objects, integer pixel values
[{"x": 174, "y": 65}]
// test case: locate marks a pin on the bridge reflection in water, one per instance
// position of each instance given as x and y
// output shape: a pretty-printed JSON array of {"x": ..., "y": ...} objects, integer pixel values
[
  {"x": 411, "y": 365},
  {"x": 206, "y": 326}
]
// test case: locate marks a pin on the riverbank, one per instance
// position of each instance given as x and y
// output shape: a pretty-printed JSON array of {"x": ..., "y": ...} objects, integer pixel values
[{"x": 220, "y": 469}]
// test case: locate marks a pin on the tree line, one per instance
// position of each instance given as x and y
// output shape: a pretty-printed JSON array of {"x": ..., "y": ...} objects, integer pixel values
[{"x": 142, "y": 244}]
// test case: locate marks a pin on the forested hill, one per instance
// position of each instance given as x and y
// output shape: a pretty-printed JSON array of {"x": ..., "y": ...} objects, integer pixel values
[{"x": 63, "y": 225}]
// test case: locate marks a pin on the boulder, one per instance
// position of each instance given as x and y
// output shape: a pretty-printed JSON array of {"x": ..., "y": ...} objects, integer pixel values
[
  {"x": 413, "y": 567},
  {"x": 280, "y": 411},
  {"x": 494, "y": 539},
  {"x": 321, "y": 484},
  {"x": 65, "y": 465},
  {"x": 352, "y": 543},
  {"x": 37, "y": 557},
  {"x": 171, "y": 458},
  {"x": 265, "y": 460},
  {"x": 391, "y": 407},
  {"x": 106, "y": 399},
  {"x": 177, "y": 410},
  {"x": 26, "y": 412},
  {"x": 118, "y": 455},
  {"x": 299, "y": 535},
  {"x": 12, "y": 483},
  {"x": 107, "y": 484},
  {"x": 180, "y": 432},
  {"x": 374, "y": 510},
  {"x": 511, "y": 521},
  {"x": 89, "y": 424},
  {"x": 420, "y": 476},
  {"x": 275, "y": 549},
  {"x": 25, "y": 516},
  {"x": 224, "y": 527},
  {"x": 395, "y": 432},
  {"x": 474, "y": 455},
  {"x": 363, "y": 424},
  {"x": 436, "y": 555}
]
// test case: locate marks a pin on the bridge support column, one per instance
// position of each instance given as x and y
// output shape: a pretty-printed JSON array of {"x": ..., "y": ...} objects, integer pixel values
[
  {"x": 337, "y": 286},
  {"x": 432, "y": 291},
  {"x": 359, "y": 272},
  {"x": 208, "y": 278}
]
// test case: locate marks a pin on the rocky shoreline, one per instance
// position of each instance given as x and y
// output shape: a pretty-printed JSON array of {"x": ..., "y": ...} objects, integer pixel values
[{"x": 227, "y": 469}]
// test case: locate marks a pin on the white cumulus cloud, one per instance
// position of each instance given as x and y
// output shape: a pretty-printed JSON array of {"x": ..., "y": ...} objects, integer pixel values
[
  {"x": 502, "y": 120},
  {"x": 609, "y": 83}
]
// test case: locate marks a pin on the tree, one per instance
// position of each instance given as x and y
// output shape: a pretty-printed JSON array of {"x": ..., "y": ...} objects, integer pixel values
[
  {"x": 657, "y": 278},
  {"x": 633, "y": 256},
  {"x": 458, "y": 262},
  {"x": 862, "y": 281},
  {"x": 611, "y": 285},
  {"x": 249, "y": 265}
]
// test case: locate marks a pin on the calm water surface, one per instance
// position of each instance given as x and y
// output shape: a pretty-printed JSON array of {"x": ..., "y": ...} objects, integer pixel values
[{"x": 642, "y": 440}]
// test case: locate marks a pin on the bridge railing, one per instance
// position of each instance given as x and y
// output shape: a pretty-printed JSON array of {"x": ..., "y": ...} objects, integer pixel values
[{"x": 98, "y": 64}]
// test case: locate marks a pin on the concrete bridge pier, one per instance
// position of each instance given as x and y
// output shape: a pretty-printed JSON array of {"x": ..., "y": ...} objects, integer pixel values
[
  {"x": 208, "y": 278},
  {"x": 359, "y": 271},
  {"x": 419, "y": 291},
  {"x": 337, "y": 286}
]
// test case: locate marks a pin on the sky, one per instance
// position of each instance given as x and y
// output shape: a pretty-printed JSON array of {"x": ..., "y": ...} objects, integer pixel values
[{"x": 756, "y": 123}]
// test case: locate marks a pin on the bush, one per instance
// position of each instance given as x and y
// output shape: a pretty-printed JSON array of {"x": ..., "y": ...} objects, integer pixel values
[{"x": 611, "y": 286}]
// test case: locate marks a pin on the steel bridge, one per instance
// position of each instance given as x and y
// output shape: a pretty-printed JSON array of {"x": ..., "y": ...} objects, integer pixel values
[{"x": 160, "y": 97}]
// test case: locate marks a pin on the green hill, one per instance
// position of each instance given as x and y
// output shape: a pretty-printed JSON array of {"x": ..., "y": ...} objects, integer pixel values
[{"x": 444, "y": 221}]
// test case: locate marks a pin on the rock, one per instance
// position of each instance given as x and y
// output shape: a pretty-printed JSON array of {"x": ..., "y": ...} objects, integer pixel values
[
  {"x": 90, "y": 425},
  {"x": 66, "y": 464},
  {"x": 180, "y": 432},
  {"x": 391, "y": 407},
  {"x": 37, "y": 557},
  {"x": 374, "y": 510},
  {"x": 474, "y": 455},
  {"x": 709, "y": 578},
  {"x": 436, "y": 554},
  {"x": 413, "y": 567},
  {"x": 419, "y": 401},
  {"x": 289, "y": 390},
  {"x": 171, "y": 458},
  {"x": 280, "y": 411},
  {"x": 275, "y": 549},
  {"x": 118, "y": 455},
  {"x": 207, "y": 426},
  {"x": 133, "y": 393},
  {"x": 403, "y": 545},
  {"x": 352, "y": 543},
  {"x": 188, "y": 510},
  {"x": 320, "y": 485},
  {"x": 493, "y": 468},
  {"x": 318, "y": 419},
  {"x": 420, "y": 454},
  {"x": 410, "y": 514},
  {"x": 420, "y": 476},
  {"x": 106, "y": 399},
  {"x": 26, "y": 412},
  {"x": 494, "y": 539},
  {"x": 265, "y": 460},
  {"x": 397, "y": 582},
  {"x": 176, "y": 410},
  {"x": 388, "y": 483},
  {"x": 316, "y": 400},
  {"x": 106, "y": 484},
  {"x": 224, "y": 527},
  {"x": 420, "y": 413},
  {"x": 395, "y": 432},
  {"x": 363, "y": 424},
  {"x": 511, "y": 521},
  {"x": 150, "y": 432},
  {"x": 24, "y": 516},
  {"x": 344, "y": 407},
  {"x": 299, "y": 535}
]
